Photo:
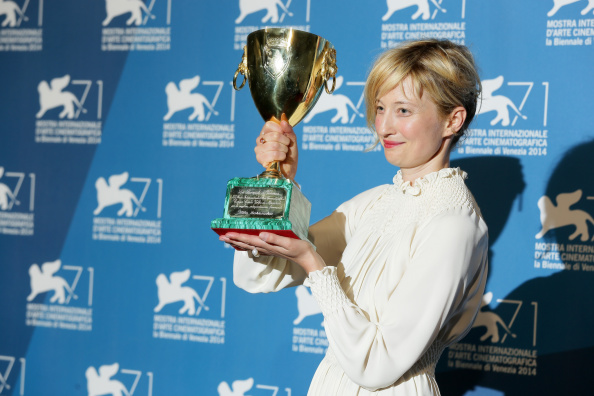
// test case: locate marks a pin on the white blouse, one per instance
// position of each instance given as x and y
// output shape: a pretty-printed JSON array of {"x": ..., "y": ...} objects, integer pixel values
[{"x": 407, "y": 267}]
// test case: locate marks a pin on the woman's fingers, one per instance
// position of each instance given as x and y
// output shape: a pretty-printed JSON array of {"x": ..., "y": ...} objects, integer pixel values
[
  {"x": 245, "y": 242},
  {"x": 278, "y": 142},
  {"x": 266, "y": 243},
  {"x": 273, "y": 146},
  {"x": 276, "y": 241},
  {"x": 269, "y": 244},
  {"x": 274, "y": 138}
]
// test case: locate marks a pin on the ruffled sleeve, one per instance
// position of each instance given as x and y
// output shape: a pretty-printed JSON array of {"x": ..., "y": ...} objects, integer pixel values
[
  {"x": 330, "y": 236},
  {"x": 436, "y": 299}
]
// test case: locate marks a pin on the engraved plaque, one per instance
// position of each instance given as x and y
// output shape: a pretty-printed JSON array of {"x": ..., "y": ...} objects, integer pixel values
[
  {"x": 253, "y": 205},
  {"x": 262, "y": 202}
]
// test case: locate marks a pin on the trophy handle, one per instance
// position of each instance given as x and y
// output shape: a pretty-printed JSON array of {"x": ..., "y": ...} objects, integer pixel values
[
  {"x": 241, "y": 68},
  {"x": 329, "y": 69},
  {"x": 329, "y": 91}
]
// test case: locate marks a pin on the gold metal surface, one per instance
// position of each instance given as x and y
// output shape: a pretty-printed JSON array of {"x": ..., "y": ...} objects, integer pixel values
[{"x": 286, "y": 70}]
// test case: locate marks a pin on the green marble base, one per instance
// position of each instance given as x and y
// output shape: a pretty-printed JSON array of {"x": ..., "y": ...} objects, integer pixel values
[{"x": 253, "y": 205}]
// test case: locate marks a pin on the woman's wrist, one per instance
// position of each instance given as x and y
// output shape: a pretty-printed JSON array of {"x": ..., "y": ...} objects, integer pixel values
[{"x": 313, "y": 263}]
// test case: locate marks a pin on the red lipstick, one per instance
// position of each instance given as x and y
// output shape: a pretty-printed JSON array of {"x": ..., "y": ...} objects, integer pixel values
[{"x": 390, "y": 144}]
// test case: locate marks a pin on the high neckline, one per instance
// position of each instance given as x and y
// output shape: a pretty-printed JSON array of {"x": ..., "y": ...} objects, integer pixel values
[{"x": 417, "y": 186}]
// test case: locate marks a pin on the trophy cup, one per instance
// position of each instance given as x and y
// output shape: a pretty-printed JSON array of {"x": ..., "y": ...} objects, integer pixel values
[{"x": 286, "y": 70}]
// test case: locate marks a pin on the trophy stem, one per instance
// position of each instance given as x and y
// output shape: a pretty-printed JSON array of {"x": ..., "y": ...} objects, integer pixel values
[{"x": 272, "y": 171}]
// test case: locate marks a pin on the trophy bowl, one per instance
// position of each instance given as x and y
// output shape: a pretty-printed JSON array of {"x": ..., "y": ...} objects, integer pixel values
[{"x": 286, "y": 70}]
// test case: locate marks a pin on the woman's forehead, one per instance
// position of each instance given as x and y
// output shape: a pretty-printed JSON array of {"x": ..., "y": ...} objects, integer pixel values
[{"x": 406, "y": 87}]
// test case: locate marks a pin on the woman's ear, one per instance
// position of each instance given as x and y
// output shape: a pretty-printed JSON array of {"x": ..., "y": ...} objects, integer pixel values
[{"x": 455, "y": 121}]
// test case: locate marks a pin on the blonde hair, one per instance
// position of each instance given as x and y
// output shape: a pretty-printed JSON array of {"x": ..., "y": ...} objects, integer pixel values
[{"x": 444, "y": 70}]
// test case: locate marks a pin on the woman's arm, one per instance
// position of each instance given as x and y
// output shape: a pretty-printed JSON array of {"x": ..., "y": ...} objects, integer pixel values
[
  {"x": 330, "y": 235},
  {"x": 439, "y": 294}
]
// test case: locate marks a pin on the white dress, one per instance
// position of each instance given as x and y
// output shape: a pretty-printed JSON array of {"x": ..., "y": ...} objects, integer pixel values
[{"x": 407, "y": 267}]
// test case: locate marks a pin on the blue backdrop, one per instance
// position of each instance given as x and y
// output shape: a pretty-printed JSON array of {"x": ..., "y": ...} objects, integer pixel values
[{"x": 120, "y": 128}]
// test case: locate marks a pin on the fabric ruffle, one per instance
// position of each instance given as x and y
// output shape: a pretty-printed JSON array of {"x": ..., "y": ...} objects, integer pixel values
[
  {"x": 417, "y": 186},
  {"x": 325, "y": 287}
]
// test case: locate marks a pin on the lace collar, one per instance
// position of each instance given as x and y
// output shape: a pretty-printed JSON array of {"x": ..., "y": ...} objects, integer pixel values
[{"x": 416, "y": 187}]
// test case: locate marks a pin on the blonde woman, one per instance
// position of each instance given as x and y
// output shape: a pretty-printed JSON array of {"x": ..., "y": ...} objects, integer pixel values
[{"x": 399, "y": 270}]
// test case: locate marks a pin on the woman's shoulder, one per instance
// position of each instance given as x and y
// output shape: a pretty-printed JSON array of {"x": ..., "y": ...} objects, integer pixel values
[
  {"x": 447, "y": 195},
  {"x": 365, "y": 198}
]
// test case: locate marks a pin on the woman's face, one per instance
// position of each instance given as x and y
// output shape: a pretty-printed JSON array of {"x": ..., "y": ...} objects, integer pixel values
[{"x": 412, "y": 132}]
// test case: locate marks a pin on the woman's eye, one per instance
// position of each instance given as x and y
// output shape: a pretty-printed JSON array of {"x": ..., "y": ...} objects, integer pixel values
[
  {"x": 403, "y": 111},
  {"x": 379, "y": 109}
]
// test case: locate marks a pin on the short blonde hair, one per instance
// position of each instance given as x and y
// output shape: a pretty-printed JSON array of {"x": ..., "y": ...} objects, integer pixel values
[{"x": 443, "y": 69}]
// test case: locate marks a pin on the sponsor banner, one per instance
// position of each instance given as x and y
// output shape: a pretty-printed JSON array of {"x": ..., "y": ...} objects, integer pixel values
[
  {"x": 430, "y": 19},
  {"x": 111, "y": 379},
  {"x": 575, "y": 254},
  {"x": 562, "y": 256},
  {"x": 20, "y": 29},
  {"x": 204, "y": 126},
  {"x": 496, "y": 359},
  {"x": 63, "y": 116},
  {"x": 513, "y": 131},
  {"x": 570, "y": 32},
  {"x": 133, "y": 221},
  {"x": 147, "y": 26},
  {"x": 17, "y": 203},
  {"x": 271, "y": 13},
  {"x": 186, "y": 325},
  {"x": 337, "y": 138},
  {"x": 564, "y": 26},
  {"x": 241, "y": 386},
  {"x": 12, "y": 367},
  {"x": 344, "y": 110},
  {"x": 494, "y": 352},
  {"x": 64, "y": 310},
  {"x": 310, "y": 340}
]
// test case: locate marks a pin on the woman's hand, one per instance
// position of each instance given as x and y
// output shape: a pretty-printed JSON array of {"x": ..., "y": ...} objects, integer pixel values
[
  {"x": 267, "y": 243},
  {"x": 277, "y": 142}
]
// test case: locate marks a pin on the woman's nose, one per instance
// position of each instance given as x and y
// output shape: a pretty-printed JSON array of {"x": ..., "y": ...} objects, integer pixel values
[{"x": 385, "y": 127}]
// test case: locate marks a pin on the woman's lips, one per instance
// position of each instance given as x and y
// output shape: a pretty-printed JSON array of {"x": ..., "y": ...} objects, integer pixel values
[{"x": 390, "y": 144}]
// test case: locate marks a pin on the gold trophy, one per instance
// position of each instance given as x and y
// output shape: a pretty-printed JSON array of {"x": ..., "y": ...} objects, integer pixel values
[{"x": 286, "y": 70}]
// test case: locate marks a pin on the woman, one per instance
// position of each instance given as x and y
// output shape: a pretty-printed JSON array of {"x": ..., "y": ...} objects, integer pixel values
[{"x": 399, "y": 270}]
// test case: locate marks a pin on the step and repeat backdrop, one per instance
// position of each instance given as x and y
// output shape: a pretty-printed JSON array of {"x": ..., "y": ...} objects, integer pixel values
[{"x": 120, "y": 128}]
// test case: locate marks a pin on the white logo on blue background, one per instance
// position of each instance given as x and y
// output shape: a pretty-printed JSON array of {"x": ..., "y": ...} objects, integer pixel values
[
  {"x": 139, "y": 12},
  {"x": 423, "y": 8},
  {"x": 53, "y": 95},
  {"x": 183, "y": 98},
  {"x": 345, "y": 109},
  {"x": 8, "y": 198},
  {"x": 101, "y": 382},
  {"x": 561, "y": 215},
  {"x": 237, "y": 388},
  {"x": 171, "y": 291},
  {"x": 11, "y": 361},
  {"x": 306, "y": 304},
  {"x": 44, "y": 280},
  {"x": 111, "y": 193},
  {"x": 14, "y": 15},
  {"x": 247, "y": 7},
  {"x": 491, "y": 322},
  {"x": 557, "y": 4},
  {"x": 240, "y": 387},
  {"x": 498, "y": 103}
]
